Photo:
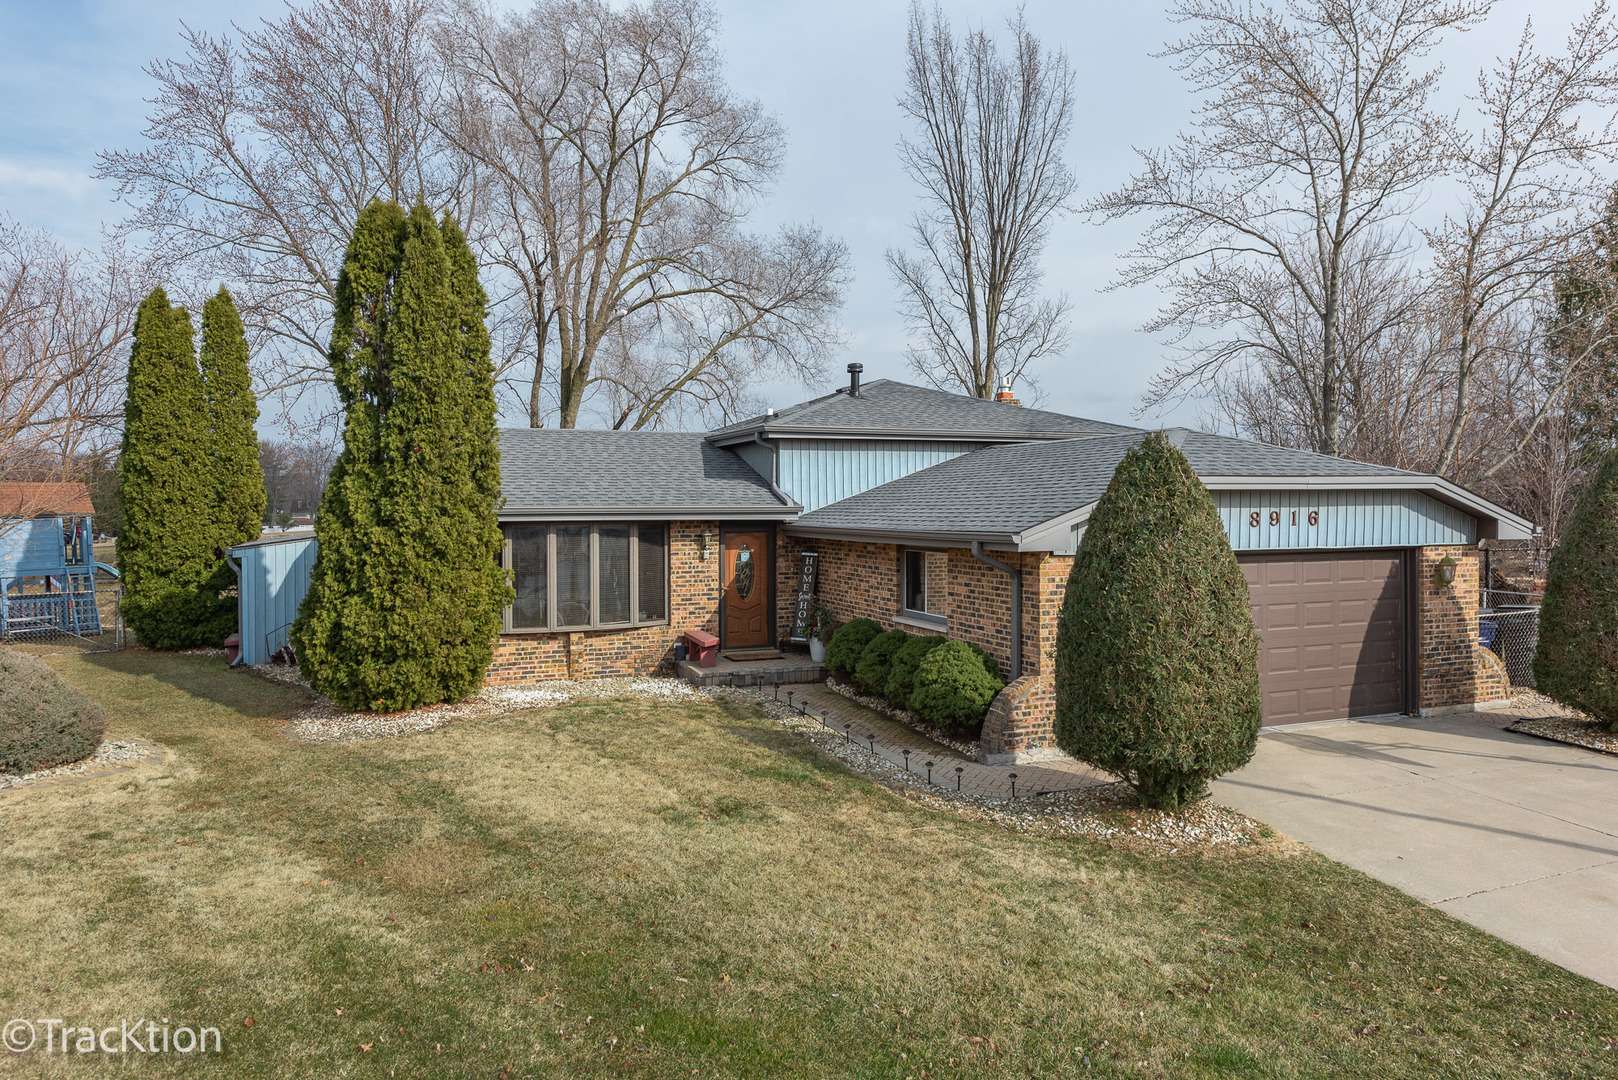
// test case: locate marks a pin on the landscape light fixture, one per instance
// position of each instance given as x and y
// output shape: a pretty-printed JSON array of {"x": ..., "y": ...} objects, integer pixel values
[
  {"x": 958, "y": 771},
  {"x": 906, "y": 753}
]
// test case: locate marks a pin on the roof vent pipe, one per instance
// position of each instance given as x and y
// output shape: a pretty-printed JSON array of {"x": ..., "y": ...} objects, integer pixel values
[{"x": 854, "y": 379}]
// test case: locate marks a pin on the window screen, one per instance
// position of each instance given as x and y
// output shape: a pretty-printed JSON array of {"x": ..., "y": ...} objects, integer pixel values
[
  {"x": 612, "y": 569},
  {"x": 572, "y": 575},
  {"x": 530, "y": 609},
  {"x": 652, "y": 573}
]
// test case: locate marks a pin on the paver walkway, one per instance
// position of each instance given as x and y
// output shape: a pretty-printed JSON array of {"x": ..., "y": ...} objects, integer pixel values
[
  {"x": 890, "y": 739},
  {"x": 1512, "y": 834}
]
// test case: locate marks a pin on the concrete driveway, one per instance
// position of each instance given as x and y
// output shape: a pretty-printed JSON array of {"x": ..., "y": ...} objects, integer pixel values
[{"x": 1513, "y": 834}]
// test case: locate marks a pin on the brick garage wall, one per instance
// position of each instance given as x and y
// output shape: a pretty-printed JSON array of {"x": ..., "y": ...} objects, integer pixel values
[
  {"x": 644, "y": 650},
  {"x": 1452, "y": 668}
]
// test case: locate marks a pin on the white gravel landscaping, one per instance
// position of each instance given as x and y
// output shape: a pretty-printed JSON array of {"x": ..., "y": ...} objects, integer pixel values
[{"x": 112, "y": 753}]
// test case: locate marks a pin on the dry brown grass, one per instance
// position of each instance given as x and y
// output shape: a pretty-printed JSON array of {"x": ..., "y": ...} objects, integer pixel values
[{"x": 628, "y": 888}]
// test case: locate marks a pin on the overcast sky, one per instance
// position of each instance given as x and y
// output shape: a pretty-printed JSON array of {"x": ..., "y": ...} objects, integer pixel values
[{"x": 71, "y": 78}]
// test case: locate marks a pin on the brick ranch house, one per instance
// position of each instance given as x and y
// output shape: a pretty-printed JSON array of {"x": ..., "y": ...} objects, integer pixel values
[{"x": 951, "y": 515}]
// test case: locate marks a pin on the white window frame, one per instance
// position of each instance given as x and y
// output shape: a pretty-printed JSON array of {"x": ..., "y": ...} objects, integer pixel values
[{"x": 595, "y": 622}]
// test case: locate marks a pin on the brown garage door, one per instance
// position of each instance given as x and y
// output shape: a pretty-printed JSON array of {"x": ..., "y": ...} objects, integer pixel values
[{"x": 1332, "y": 630}]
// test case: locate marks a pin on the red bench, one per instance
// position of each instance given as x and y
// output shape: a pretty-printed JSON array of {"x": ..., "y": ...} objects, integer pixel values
[{"x": 702, "y": 647}]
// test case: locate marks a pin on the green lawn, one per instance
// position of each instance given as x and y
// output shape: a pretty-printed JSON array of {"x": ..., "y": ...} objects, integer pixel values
[{"x": 628, "y": 889}]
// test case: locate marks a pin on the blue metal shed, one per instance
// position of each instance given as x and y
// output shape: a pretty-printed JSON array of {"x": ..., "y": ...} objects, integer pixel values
[{"x": 274, "y": 577}]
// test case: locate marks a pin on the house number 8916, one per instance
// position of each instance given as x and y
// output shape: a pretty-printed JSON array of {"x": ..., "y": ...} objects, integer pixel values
[{"x": 1275, "y": 517}]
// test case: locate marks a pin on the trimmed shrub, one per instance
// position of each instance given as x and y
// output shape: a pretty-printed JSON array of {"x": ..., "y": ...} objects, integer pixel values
[
  {"x": 902, "y": 670},
  {"x": 847, "y": 645},
  {"x": 1156, "y": 655},
  {"x": 43, "y": 721},
  {"x": 1577, "y": 659},
  {"x": 406, "y": 592},
  {"x": 871, "y": 673},
  {"x": 953, "y": 687}
]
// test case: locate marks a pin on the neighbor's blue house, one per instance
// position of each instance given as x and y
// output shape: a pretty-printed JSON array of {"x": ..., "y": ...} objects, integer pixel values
[{"x": 47, "y": 560}]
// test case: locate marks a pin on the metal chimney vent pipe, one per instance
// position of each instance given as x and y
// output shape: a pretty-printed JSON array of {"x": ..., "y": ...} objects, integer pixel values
[{"x": 854, "y": 379}]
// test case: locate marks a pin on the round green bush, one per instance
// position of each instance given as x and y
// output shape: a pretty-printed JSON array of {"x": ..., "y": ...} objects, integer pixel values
[
  {"x": 1577, "y": 659},
  {"x": 902, "y": 671},
  {"x": 1156, "y": 655},
  {"x": 847, "y": 645},
  {"x": 954, "y": 688},
  {"x": 871, "y": 673},
  {"x": 43, "y": 721}
]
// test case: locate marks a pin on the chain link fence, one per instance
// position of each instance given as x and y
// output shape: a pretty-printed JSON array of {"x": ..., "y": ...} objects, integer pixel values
[
  {"x": 1513, "y": 587},
  {"x": 77, "y": 619}
]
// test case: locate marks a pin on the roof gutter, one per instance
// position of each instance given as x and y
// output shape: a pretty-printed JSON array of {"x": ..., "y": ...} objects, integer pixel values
[{"x": 1016, "y": 604}]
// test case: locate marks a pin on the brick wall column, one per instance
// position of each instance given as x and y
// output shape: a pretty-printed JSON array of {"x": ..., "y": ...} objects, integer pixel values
[{"x": 1452, "y": 669}]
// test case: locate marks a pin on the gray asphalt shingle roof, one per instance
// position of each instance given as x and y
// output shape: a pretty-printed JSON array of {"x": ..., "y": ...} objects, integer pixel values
[
  {"x": 1003, "y": 490},
  {"x": 885, "y": 407},
  {"x": 556, "y": 470}
]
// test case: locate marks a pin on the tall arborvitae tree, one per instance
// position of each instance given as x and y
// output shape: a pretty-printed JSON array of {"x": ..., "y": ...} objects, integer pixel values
[
  {"x": 1577, "y": 659},
  {"x": 1156, "y": 655},
  {"x": 405, "y": 599},
  {"x": 238, "y": 478},
  {"x": 167, "y": 551}
]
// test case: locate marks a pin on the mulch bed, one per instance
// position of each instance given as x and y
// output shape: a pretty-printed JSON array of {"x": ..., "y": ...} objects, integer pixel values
[{"x": 1575, "y": 731}]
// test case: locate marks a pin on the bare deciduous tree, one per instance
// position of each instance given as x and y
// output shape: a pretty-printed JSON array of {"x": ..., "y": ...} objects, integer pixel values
[
  {"x": 263, "y": 150},
  {"x": 65, "y": 320},
  {"x": 621, "y": 171},
  {"x": 991, "y": 129},
  {"x": 1313, "y": 140},
  {"x": 1527, "y": 174}
]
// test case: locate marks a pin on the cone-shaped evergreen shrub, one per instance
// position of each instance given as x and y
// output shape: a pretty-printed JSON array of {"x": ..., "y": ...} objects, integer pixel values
[
  {"x": 871, "y": 673},
  {"x": 954, "y": 687},
  {"x": 43, "y": 721},
  {"x": 902, "y": 670},
  {"x": 847, "y": 645},
  {"x": 405, "y": 597},
  {"x": 168, "y": 548},
  {"x": 238, "y": 489},
  {"x": 1156, "y": 655},
  {"x": 1577, "y": 659}
]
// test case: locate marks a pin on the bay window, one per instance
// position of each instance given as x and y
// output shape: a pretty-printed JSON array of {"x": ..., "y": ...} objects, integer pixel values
[{"x": 587, "y": 576}]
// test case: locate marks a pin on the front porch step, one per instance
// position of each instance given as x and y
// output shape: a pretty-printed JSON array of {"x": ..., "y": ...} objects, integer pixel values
[{"x": 791, "y": 668}]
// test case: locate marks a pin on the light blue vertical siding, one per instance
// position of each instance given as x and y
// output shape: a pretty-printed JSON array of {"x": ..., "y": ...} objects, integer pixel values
[
  {"x": 820, "y": 471},
  {"x": 31, "y": 546},
  {"x": 760, "y": 457},
  {"x": 274, "y": 580},
  {"x": 1347, "y": 519}
]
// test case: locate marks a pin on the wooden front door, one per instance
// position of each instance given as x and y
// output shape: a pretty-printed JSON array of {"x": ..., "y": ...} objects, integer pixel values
[{"x": 747, "y": 566}]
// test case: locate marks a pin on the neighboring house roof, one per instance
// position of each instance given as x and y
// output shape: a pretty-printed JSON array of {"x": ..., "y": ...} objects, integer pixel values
[
  {"x": 557, "y": 474},
  {"x": 23, "y": 499},
  {"x": 1007, "y": 494},
  {"x": 888, "y": 409}
]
